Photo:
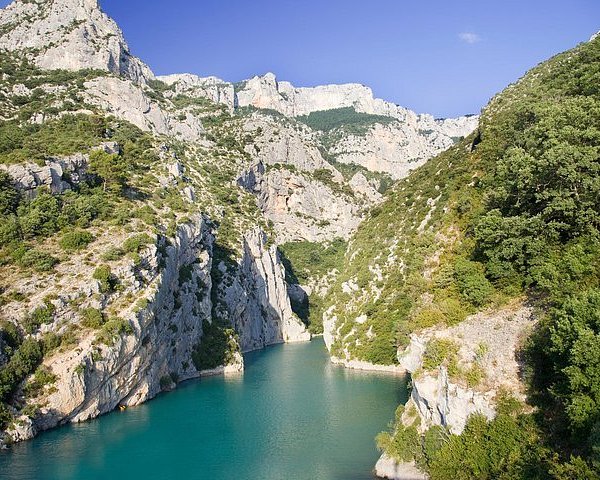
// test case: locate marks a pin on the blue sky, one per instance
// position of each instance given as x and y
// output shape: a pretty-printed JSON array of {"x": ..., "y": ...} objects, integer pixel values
[{"x": 438, "y": 56}]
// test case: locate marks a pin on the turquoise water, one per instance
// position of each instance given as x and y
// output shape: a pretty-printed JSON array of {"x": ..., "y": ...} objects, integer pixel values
[{"x": 292, "y": 416}]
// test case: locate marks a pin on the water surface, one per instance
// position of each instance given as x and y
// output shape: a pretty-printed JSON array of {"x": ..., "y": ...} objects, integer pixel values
[{"x": 292, "y": 415}]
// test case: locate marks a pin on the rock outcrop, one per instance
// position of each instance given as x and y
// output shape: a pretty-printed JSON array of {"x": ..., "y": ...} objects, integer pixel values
[
  {"x": 212, "y": 88},
  {"x": 71, "y": 35},
  {"x": 387, "y": 467},
  {"x": 300, "y": 206},
  {"x": 152, "y": 353},
  {"x": 488, "y": 340},
  {"x": 257, "y": 298},
  {"x": 58, "y": 175}
]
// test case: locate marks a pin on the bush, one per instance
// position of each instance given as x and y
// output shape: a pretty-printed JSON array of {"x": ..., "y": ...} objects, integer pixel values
[
  {"x": 9, "y": 197},
  {"x": 27, "y": 357},
  {"x": 40, "y": 316},
  {"x": 39, "y": 217},
  {"x": 441, "y": 352},
  {"x": 137, "y": 242},
  {"x": 104, "y": 275},
  {"x": 216, "y": 348},
  {"x": 37, "y": 260},
  {"x": 114, "y": 328},
  {"x": 472, "y": 283},
  {"x": 113, "y": 254},
  {"x": 75, "y": 240},
  {"x": 92, "y": 318}
]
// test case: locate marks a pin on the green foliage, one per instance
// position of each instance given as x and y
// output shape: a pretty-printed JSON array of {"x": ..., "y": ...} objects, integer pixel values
[
  {"x": 346, "y": 118},
  {"x": 217, "y": 347},
  {"x": 305, "y": 260},
  {"x": 136, "y": 243},
  {"x": 24, "y": 361},
  {"x": 75, "y": 240},
  {"x": 441, "y": 352},
  {"x": 9, "y": 197},
  {"x": 37, "y": 260},
  {"x": 40, "y": 316},
  {"x": 42, "y": 377},
  {"x": 472, "y": 283},
  {"x": 114, "y": 328},
  {"x": 92, "y": 318},
  {"x": 527, "y": 216},
  {"x": 111, "y": 168},
  {"x": 39, "y": 217},
  {"x": 66, "y": 135},
  {"x": 105, "y": 277}
]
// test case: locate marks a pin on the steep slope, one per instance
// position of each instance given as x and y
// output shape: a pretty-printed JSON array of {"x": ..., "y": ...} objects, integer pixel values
[
  {"x": 69, "y": 34},
  {"x": 352, "y": 126},
  {"x": 139, "y": 219},
  {"x": 505, "y": 220}
]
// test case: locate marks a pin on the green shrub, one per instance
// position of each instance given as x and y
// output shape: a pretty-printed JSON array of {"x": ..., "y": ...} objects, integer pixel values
[
  {"x": 441, "y": 352},
  {"x": 113, "y": 254},
  {"x": 92, "y": 318},
  {"x": 39, "y": 217},
  {"x": 104, "y": 275},
  {"x": 114, "y": 328},
  {"x": 472, "y": 283},
  {"x": 111, "y": 168},
  {"x": 25, "y": 360},
  {"x": 9, "y": 197},
  {"x": 43, "y": 376},
  {"x": 75, "y": 240},
  {"x": 136, "y": 243},
  {"x": 39, "y": 316},
  {"x": 37, "y": 260},
  {"x": 217, "y": 347}
]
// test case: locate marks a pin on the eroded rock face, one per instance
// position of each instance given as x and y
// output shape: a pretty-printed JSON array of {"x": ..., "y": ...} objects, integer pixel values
[
  {"x": 128, "y": 101},
  {"x": 96, "y": 377},
  {"x": 300, "y": 207},
  {"x": 489, "y": 339},
  {"x": 69, "y": 34},
  {"x": 213, "y": 88},
  {"x": 29, "y": 177},
  {"x": 257, "y": 299}
]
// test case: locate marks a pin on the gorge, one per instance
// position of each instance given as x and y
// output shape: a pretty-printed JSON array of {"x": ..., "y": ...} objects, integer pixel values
[{"x": 160, "y": 229}]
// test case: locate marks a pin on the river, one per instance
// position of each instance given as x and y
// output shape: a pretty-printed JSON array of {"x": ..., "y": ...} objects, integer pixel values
[{"x": 292, "y": 415}]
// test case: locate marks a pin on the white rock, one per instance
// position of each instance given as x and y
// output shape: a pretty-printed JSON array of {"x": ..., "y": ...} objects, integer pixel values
[{"x": 69, "y": 34}]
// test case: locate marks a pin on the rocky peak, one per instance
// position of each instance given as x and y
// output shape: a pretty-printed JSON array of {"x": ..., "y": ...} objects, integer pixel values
[{"x": 68, "y": 34}]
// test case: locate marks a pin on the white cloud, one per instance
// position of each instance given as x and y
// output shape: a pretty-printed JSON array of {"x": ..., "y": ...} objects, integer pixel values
[{"x": 469, "y": 37}]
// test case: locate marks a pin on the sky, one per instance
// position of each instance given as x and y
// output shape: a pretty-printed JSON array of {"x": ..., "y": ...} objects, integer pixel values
[{"x": 444, "y": 57}]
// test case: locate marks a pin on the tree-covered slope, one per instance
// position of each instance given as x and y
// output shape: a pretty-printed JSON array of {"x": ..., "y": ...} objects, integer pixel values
[{"x": 512, "y": 211}]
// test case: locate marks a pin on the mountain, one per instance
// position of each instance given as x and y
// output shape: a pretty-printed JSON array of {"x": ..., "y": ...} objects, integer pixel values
[
  {"x": 479, "y": 274},
  {"x": 385, "y": 138},
  {"x": 68, "y": 34},
  {"x": 144, "y": 220}
]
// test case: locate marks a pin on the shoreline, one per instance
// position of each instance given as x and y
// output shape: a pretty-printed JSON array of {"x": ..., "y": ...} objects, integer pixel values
[{"x": 368, "y": 367}]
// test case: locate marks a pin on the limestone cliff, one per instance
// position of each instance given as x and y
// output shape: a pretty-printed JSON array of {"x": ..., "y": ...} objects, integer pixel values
[
  {"x": 69, "y": 34},
  {"x": 488, "y": 342},
  {"x": 152, "y": 349},
  {"x": 256, "y": 298}
]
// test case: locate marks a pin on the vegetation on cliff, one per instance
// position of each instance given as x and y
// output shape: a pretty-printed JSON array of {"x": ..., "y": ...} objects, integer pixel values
[{"x": 511, "y": 210}]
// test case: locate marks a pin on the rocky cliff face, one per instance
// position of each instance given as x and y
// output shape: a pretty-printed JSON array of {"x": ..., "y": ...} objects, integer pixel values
[
  {"x": 69, "y": 34},
  {"x": 256, "y": 297},
  {"x": 489, "y": 341},
  {"x": 150, "y": 353},
  {"x": 397, "y": 147}
]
